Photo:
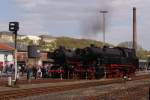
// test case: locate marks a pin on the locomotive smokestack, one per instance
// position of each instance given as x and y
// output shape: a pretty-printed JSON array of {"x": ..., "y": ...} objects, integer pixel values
[{"x": 134, "y": 29}]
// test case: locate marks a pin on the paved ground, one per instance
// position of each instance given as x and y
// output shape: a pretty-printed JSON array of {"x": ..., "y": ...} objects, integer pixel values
[
  {"x": 143, "y": 72},
  {"x": 84, "y": 93},
  {"x": 81, "y": 94},
  {"x": 23, "y": 86}
]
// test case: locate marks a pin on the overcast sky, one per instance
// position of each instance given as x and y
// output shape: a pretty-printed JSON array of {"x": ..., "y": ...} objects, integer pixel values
[{"x": 78, "y": 18}]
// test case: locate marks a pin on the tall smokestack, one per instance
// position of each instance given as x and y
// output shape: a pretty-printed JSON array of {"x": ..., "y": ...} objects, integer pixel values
[{"x": 134, "y": 29}]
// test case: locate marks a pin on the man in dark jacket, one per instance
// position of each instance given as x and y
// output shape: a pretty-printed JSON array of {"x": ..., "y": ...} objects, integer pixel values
[{"x": 34, "y": 72}]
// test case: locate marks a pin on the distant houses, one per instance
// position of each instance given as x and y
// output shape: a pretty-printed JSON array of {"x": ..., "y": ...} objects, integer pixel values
[
  {"x": 25, "y": 40},
  {"x": 6, "y": 36},
  {"x": 7, "y": 47},
  {"x": 47, "y": 38}
]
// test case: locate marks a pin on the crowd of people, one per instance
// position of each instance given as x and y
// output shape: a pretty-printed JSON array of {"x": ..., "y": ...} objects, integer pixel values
[
  {"x": 36, "y": 71},
  {"x": 8, "y": 69},
  {"x": 31, "y": 71}
]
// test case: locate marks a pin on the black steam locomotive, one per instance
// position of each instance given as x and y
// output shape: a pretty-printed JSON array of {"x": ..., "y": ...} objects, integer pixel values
[{"x": 93, "y": 62}]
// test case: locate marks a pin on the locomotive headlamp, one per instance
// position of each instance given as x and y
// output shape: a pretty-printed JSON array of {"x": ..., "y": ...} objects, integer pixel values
[{"x": 13, "y": 26}]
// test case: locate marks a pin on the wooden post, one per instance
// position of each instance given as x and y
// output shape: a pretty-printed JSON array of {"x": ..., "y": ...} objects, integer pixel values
[
  {"x": 60, "y": 74},
  {"x": 68, "y": 75},
  {"x": 149, "y": 93}
]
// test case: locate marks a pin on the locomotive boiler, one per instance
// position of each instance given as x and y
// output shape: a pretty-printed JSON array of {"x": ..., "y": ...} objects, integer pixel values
[{"x": 93, "y": 62}]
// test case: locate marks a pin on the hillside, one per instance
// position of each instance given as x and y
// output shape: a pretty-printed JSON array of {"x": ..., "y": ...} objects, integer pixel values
[
  {"x": 76, "y": 43},
  {"x": 61, "y": 41},
  {"x": 71, "y": 43}
]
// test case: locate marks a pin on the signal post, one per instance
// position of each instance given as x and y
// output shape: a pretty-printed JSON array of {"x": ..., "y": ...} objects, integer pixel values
[{"x": 14, "y": 28}]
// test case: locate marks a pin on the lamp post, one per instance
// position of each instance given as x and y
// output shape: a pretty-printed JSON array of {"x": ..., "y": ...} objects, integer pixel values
[
  {"x": 14, "y": 27},
  {"x": 104, "y": 12}
]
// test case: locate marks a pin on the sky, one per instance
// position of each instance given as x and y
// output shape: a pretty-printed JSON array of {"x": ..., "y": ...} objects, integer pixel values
[{"x": 78, "y": 18}]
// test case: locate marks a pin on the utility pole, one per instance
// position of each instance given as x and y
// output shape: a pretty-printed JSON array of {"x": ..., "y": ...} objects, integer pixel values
[{"x": 104, "y": 30}]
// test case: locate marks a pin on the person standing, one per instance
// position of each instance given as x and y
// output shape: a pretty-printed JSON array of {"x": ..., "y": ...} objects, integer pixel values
[
  {"x": 1, "y": 70},
  {"x": 34, "y": 72},
  {"x": 29, "y": 72},
  {"x": 22, "y": 69},
  {"x": 6, "y": 69},
  {"x": 39, "y": 73}
]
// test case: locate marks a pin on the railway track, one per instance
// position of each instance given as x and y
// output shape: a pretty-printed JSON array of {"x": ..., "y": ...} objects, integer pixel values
[
  {"x": 13, "y": 94},
  {"x": 132, "y": 93},
  {"x": 36, "y": 81}
]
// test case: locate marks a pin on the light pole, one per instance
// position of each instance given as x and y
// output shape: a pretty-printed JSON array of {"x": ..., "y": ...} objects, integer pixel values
[{"x": 103, "y": 12}]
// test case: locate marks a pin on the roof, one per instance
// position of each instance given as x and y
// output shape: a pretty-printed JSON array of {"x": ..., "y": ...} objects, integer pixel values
[
  {"x": 47, "y": 36},
  {"x": 6, "y": 47},
  {"x": 6, "y": 33},
  {"x": 20, "y": 47},
  {"x": 32, "y": 37}
]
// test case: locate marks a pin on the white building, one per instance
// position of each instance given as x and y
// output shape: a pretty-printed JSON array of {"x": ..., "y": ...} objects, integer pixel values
[
  {"x": 6, "y": 36},
  {"x": 6, "y": 54},
  {"x": 35, "y": 39},
  {"x": 47, "y": 38}
]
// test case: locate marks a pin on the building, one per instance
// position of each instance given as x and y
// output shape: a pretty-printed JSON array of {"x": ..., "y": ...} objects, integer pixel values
[
  {"x": 47, "y": 38},
  {"x": 6, "y": 54},
  {"x": 7, "y": 47},
  {"x": 22, "y": 58},
  {"x": 6, "y": 36},
  {"x": 33, "y": 38},
  {"x": 48, "y": 43}
]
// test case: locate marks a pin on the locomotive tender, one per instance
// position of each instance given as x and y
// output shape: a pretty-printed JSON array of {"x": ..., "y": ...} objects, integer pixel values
[{"x": 93, "y": 62}]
